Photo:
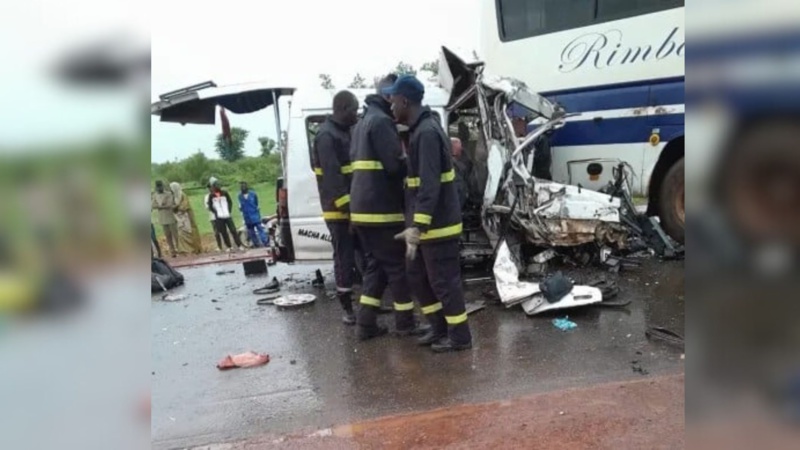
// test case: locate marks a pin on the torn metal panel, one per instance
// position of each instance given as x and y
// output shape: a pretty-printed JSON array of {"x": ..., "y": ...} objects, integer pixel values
[
  {"x": 495, "y": 164},
  {"x": 511, "y": 290},
  {"x": 560, "y": 201},
  {"x": 516, "y": 91},
  {"x": 567, "y": 233},
  {"x": 579, "y": 296}
]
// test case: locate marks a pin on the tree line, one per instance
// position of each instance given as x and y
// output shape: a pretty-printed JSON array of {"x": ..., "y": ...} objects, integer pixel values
[
  {"x": 233, "y": 165},
  {"x": 402, "y": 68}
]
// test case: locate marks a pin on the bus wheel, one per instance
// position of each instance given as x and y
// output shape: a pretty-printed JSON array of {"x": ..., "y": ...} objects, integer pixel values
[{"x": 671, "y": 202}]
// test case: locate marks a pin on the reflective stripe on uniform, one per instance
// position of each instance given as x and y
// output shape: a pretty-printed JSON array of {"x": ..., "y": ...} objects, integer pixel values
[
  {"x": 370, "y": 301},
  {"x": 367, "y": 165},
  {"x": 438, "y": 233},
  {"x": 346, "y": 170},
  {"x": 455, "y": 320},
  {"x": 430, "y": 309},
  {"x": 446, "y": 177},
  {"x": 377, "y": 218},
  {"x": 341, "y": 201},
  {"x": 335, "y": 215},
  {"x": 424, "y": 219},
  {"x": 404, "y": 306}
]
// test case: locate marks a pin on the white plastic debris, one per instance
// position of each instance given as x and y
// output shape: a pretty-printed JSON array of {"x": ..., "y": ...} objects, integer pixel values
[
  {"x": 512, "y": 291},
  {"x": 579, "y": 296}
]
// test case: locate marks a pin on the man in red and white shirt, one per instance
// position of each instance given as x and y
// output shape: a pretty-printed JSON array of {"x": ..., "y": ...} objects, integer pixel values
[{"x": 220, "y": 204}]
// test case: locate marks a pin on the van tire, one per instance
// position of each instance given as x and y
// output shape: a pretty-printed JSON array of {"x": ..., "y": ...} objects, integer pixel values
[{"x": 671, "y": 203}]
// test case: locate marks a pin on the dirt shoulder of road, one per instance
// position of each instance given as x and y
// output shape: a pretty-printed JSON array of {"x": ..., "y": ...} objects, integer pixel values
[
  {"x": 646, "y": 413},
  {"x": 185, "y": 260}
]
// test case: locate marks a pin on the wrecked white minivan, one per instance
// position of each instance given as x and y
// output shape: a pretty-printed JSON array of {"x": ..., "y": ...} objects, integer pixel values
[{"x": 300, "y": 231}]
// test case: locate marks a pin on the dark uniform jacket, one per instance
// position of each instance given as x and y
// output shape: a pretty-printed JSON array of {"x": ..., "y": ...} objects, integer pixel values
[
  {"x": 432, "y": 202},
  {"x": 330, "y": 160},
  {"x": 378, "y": 168}
]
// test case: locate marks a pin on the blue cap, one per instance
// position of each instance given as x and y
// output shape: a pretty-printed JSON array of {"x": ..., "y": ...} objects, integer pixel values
[{"x": 408, "y": 86}]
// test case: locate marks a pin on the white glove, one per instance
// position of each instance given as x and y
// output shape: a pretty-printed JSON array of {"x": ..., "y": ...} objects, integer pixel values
[{"x": 411, "y": 237}]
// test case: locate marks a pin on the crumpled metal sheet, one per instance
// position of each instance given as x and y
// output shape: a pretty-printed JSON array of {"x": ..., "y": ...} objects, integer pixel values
[
  {"x": 561, "y": 201},
  {"x": 579, "y": 296},
  {"x": 511, "y": 290},
  {"x": 566, "y": 232},
  {"x": 556, "y": 214},
  {"x": 517, "y": 91}
]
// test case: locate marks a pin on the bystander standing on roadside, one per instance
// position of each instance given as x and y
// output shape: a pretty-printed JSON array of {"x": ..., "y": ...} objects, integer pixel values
[
  {"x": 163, "y": 201},
  {"x": 219, "y": 202}
]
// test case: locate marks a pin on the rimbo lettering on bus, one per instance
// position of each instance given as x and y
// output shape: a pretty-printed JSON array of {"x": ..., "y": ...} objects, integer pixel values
[{"x": 607, "y": 49}]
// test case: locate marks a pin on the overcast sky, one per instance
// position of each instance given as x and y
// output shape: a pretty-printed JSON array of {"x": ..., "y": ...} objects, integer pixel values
[{"x": 248, "y": 40}]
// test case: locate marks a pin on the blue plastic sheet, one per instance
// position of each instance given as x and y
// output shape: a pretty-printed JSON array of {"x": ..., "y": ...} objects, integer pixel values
[{"x": 564, "y": 324}]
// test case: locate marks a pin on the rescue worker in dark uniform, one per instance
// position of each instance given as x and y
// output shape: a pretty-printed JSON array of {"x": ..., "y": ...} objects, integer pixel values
[
  {"x": 433, "y": 220},
  {"x": 330, "y": 160},
  {"x": 376, "y": 213}
]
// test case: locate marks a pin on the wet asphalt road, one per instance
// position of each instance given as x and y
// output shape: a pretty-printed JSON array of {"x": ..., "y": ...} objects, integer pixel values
[{"x": 321, "y": 376}]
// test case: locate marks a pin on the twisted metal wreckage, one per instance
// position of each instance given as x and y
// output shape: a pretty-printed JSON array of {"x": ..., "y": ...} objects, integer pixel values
[{"x": 522, "y": 215}]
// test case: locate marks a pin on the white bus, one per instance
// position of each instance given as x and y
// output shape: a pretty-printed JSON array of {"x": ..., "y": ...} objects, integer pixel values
[{"x": 620, "y": 64}]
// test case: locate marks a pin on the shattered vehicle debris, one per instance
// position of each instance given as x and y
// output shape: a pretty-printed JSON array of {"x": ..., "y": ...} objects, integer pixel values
[
  {"x": 521, "y": 221},
  {"x": 515, "y": 206}
]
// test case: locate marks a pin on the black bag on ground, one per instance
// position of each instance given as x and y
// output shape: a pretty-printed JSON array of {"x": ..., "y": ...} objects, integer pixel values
[
  {"x": 555, "y": 287},
  {"x": 163, "y": 277}
]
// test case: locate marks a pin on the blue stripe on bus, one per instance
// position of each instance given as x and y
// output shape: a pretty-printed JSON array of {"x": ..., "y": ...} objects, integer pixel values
[
  {"x": 620, "y": 96},
  {"x": 625, "y": 130}
]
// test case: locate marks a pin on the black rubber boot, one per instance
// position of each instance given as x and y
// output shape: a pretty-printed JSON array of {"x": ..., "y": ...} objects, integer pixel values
[
  {"x": 445, "y": 345},
  {"x": 418, "y": 330},
  {"x": 437, "y": 330},
  {"x": 364, "y": 333},
  {"x": 349, "y": 318},
  {"x": 346, "y": 300},
  {"x": 430, "y": 337}
]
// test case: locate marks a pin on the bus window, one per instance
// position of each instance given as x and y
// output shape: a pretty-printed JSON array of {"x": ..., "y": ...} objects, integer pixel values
[
  {"x": 620, "y": 9},
  {"x": 519, "y": 19},
  {"x": 525, "y": 18}
]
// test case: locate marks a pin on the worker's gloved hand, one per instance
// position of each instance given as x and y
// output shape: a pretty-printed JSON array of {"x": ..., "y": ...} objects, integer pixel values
[{"x": 411, "y": 236}]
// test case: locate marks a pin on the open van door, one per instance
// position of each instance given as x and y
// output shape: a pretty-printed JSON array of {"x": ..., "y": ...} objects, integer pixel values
[{"x": 197, "y": 104}]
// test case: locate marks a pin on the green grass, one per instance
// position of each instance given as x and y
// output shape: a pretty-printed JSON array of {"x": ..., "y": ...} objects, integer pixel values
[{"x": 266, "y": 200}]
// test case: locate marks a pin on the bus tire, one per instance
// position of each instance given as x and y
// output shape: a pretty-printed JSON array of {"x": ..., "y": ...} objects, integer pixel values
[{"x": 671, "y": 202}]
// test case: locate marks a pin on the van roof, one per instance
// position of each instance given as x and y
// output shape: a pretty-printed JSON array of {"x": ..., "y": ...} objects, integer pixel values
[
  {"x": 197, "y": 103},
  {"x": 309, "y": 100}
]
